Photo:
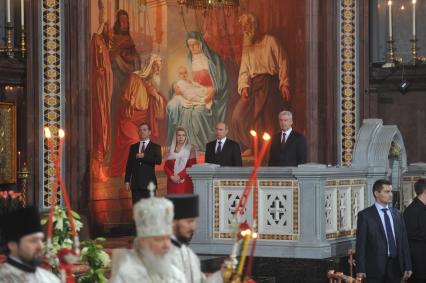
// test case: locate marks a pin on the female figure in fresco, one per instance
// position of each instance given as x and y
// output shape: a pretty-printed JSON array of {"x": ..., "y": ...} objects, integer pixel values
[
  {"x": 182, "y": 155},
  {"x": 208, "y": 70}
]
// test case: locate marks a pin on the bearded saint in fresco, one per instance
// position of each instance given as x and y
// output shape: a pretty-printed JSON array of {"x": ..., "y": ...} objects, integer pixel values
[
  {"x": 263, "y": 84},
  {"x": 101, "y": 92},
  {"x": 124, "y": 60},
  {"x": 140, "y": 101}
]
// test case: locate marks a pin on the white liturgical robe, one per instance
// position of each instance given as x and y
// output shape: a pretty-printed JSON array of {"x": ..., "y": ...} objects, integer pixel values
[
  {"x": 12, "y": 274},
  {"x": 127, "y": 267},
  {"x": 188, "y": 262}
]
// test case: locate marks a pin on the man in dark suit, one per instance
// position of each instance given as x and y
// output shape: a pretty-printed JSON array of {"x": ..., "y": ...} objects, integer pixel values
[
  {"x": 140, "y": 167},
  {"x": 382, "y": 252},
  {"x": 415, "y": 220},
  {"x": 223, "y": 151},
  {"x": 288, "y": 147}
]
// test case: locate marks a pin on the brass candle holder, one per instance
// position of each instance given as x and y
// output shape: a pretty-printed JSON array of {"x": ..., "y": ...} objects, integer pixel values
[
  {"x": 23, "y": 176},
  {"x": 9, "y": 50},
  {"x": 23, "y": 45},
  {"x": 393, "y": 59},
  {"x": 415, "y": 58}
]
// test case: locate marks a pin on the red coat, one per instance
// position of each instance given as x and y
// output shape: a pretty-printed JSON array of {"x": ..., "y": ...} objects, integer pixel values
[{"x": 186, "y": 187}]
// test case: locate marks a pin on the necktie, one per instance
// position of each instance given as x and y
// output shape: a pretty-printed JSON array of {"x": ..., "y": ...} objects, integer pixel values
[
  {"x": 143, "y": 147},
  {"x": 283, "y": 139},
  {"x": 219, "y": 147},
  {"x": 389, "y": 234}
]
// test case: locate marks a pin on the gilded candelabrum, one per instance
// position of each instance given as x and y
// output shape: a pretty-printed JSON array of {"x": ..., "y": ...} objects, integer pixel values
[
  {"x": 23, "y": 45},
  {"x": 9, "y": 50},
  {"x": 415, "y": 58},
  {"x": 393, "y": 59},
  {"x": 23, "y": 176}
]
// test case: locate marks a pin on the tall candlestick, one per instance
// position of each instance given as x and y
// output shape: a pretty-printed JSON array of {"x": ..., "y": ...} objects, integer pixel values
[
  {"x": 250, "y": 262},
  {"x": 390, "y": 18},
  {"x": 22, "y": 13},
  {"x": 266, "y": 138},
  {"x": 414, "y": 18},
  {"x": 247, "y": 236},
  {"x": 19, "y": 161},
  {"x": 8, "y": 11},
  {"x": 255, "y": 145}
]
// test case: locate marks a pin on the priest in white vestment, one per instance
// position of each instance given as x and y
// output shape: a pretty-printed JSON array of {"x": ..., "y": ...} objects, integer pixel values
[
  {"x": 184, "y": 225},
  {"x": 23, "y": 235},
  {"x": 150, "y": 259}
]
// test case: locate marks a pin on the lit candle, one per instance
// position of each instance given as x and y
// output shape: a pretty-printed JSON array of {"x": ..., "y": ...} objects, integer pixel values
[
  {"x": 8, "y": 10},
  {"x": 61, "y": 134},
  {"x": 19, "y": 161},
  {"x": 247, "y": 235},
  {"x": 48, "y": 136},
  {"x": 390, "y": 18},
  {"x": 53, "y": 194},
  {"x": 266, "y": 138},
  {"x": 250, "y": 262},
  {"x": 414, "y": 18},
  {"x": 255, "y": 145},
  {"x": 22, "y": 13}
]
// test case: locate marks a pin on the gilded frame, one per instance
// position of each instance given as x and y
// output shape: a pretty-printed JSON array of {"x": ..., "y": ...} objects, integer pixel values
[{"x": 7, "y": 143}]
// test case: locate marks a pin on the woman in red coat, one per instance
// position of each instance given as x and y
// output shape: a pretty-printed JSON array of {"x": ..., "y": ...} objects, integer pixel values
[{"x": 180, "y": 157}]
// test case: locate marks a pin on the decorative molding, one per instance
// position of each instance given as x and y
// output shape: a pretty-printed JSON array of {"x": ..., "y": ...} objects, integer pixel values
[
  {"x": 51, "y": 89},
  {"x": 347, "y": 80},
  {"x": 344, "y": 198},
  {"x": 278, "y": 208}
]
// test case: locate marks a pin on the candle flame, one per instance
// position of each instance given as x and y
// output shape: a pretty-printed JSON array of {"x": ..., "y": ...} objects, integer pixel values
[
  {"x": 389, "y": 3},
  {"x": 253, "y": 133},
  {"x": 414, "y": 1},
  {"x": 248, "y": 232},
  {"x": 61, "y": 133},
  {"x": 254, "y": 236},
  {"x": 47, "y": 133},
  {"x": 266, "y": 137}
]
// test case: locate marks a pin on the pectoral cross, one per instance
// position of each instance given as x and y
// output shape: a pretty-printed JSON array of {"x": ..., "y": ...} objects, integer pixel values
[{"x": 151, "y": 189}]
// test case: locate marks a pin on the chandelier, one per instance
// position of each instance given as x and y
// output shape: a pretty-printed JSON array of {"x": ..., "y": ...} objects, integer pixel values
[{"x": 206, "y": 4}]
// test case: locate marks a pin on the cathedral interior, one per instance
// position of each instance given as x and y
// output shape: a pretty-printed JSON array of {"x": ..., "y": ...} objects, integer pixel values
[{"x": 78, "y": 77}]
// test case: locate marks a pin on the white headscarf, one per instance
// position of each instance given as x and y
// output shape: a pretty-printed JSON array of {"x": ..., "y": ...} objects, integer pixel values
[
  {"x": 146, "y": 70},
  {"x": 181, "y": 158}
]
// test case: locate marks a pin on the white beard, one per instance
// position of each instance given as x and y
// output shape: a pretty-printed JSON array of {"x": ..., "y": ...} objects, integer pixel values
[
  {"x": 248, "y": 39},
  {"x": 155, "y": 80},
  {"x": 157, "y": 265}
]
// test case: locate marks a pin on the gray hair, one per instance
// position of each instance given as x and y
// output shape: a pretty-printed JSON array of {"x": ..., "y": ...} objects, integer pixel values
[
  {"x": 251, "y": 18},
  {"x": 286, "y": 113}
]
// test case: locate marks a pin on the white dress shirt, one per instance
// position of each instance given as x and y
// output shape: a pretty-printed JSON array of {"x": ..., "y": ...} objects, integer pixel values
[
  {"x": 287, "y": 134},
  {"x": 146, "y": 144},
  {"x": 217, "y": 143},
  {"x": 379, "y": 208}
]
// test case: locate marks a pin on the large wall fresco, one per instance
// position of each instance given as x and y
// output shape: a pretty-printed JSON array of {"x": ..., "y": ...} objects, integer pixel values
[{"x": 214, "y": 66}]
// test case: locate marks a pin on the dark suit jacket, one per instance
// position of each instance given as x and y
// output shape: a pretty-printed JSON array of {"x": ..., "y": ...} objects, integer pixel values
[
  {"x": 292, "y": 154},
  {"x": 141, "y": 171},
  {"x": 371, "y": 243},
  {"x": 229, "y": 156},
  {"x": 415, "y": 221}
]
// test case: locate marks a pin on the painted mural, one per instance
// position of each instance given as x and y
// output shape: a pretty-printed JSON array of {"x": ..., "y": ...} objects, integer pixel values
[{"x": 177, "y": 67}]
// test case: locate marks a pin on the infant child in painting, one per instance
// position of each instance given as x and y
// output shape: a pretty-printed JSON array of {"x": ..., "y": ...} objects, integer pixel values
[{"x": 189, "y": 93}]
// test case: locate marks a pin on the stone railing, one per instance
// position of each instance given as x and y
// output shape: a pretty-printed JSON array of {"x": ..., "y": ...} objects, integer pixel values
[{"x": 306, "y": 212}]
